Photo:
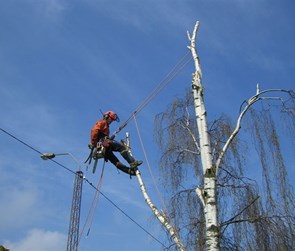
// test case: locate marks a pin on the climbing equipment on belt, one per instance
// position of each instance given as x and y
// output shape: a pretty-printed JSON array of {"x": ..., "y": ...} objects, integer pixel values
[{"x": 97, "y": 152}]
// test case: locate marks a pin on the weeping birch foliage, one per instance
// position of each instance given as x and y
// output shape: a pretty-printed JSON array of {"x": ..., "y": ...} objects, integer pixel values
[{"x": 255, "y": 201}]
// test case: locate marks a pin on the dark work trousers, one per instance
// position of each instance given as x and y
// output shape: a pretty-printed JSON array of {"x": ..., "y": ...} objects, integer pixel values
[{"x": 118, "y": 147}]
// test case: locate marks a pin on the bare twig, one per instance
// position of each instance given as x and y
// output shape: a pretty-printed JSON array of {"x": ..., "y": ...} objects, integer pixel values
[
  {"x": 231, "y": 221},
  {"x": 249, "y": 103}
]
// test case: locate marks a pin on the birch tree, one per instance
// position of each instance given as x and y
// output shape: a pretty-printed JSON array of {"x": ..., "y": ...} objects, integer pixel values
[
  {"x": 163, "y": 219},
  {"x": 215, "y": 203}
]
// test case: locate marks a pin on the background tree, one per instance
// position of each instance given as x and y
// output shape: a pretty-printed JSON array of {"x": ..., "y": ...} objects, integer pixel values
[
  {"x": 2, "y": 248},
  {"x": 212, "y": 168}
]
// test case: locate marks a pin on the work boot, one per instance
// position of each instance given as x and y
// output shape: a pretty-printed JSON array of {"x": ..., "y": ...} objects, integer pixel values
[
  {"x": 132, "y": 171},
  {"x": 135, "y": 163},
  {"x": 125, "y": 169},
  {"x": 127, "y": 156}
]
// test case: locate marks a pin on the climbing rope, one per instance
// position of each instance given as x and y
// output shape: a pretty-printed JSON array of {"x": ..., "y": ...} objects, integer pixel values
[
  {"x": 93, "y": 206},
  {"x": 153, "y": 177},
  {"x": 168, "y": 78},
  {"x": 90, "y": 184}
]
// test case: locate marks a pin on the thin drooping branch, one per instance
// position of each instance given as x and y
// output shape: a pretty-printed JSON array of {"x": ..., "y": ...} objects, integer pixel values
[
  {"x": 192, "y": 136},
  {"x": 249, "y": 103},
  {"x": 255, "y": 219},
  {"x": 206, "y": 216},
  {"x": 239, "y": 213}
]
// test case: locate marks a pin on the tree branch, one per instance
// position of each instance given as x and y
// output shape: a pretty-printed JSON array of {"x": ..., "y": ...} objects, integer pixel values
[
  {"x": 199, "y": 192},
  {"x": 192, "y": 39},
  {"x": 160, "y": 216},
  {"x": 252, "y": 220},
  {"x": 239, "y": 213},
  {"x": 231, "y": 221},
  {"x": 193, "y": 137},
  {"x": 249, "y": 103}
]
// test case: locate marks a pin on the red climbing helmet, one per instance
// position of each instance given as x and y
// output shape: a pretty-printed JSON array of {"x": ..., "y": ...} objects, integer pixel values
[{"x": 112, "y": 115}]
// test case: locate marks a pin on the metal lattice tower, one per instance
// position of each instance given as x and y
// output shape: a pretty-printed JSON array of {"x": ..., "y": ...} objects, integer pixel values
[{"x": 73, "y": 234}]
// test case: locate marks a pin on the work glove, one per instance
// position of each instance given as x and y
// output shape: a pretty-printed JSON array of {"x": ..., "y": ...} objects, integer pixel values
[{"x": 91, "y": 146}]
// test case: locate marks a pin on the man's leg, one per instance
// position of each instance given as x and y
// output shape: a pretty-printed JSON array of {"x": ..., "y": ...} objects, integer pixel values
[
  {"x": 115, "y": 161},
  {"x": 118, "y": 147}
]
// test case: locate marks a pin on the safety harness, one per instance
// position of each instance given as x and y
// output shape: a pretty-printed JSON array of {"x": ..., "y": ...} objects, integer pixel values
[{"x": 96, "y": 153}]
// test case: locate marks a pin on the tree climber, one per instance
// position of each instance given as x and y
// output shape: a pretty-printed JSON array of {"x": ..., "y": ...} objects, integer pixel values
[{"x": 100, "y": 136}]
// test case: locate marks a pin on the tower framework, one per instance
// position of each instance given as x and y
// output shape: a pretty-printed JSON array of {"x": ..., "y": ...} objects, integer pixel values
[{"x": 73, "y": 234}]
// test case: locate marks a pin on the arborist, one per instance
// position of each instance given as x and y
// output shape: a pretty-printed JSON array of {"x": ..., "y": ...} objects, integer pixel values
[{"x": 100, "y": 138}]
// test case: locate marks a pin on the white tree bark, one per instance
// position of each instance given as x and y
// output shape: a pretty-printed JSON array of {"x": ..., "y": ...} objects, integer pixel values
[
  {"x": 208, "y": 193},
  {"x": 160, "y": 215},
  {"x": 251, "y": 101}
]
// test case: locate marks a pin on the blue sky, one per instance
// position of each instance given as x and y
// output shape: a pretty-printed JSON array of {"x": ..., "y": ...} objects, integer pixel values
[{"x": 61, "y": 61}]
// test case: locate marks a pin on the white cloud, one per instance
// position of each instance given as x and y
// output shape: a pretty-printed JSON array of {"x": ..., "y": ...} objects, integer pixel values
[
  {"x": 49, "y": 8},
  {"x": 39, "y": 239},
  {"x": 18, "y": 208}
]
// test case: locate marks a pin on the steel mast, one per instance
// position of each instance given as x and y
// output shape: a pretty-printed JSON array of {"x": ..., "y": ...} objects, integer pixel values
[{"x": 73, "y": 234}]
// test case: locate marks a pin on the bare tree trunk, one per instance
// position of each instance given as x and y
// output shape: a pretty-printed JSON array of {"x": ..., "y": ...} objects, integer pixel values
[
  {"x": 260, "y": 221},
  {"x": 208, "y": 194},
  {"x": 160, "y": 215}
]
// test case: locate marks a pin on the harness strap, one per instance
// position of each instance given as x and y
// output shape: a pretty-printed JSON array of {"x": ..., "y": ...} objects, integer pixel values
[
  {"x": 95, "y": 165},
  {"x": 97, "y": 153},
  {"x": 89, "y": 158}
]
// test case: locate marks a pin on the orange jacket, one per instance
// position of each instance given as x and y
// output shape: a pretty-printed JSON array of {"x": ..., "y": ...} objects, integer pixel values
[{"x": 99, "y": 130}]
